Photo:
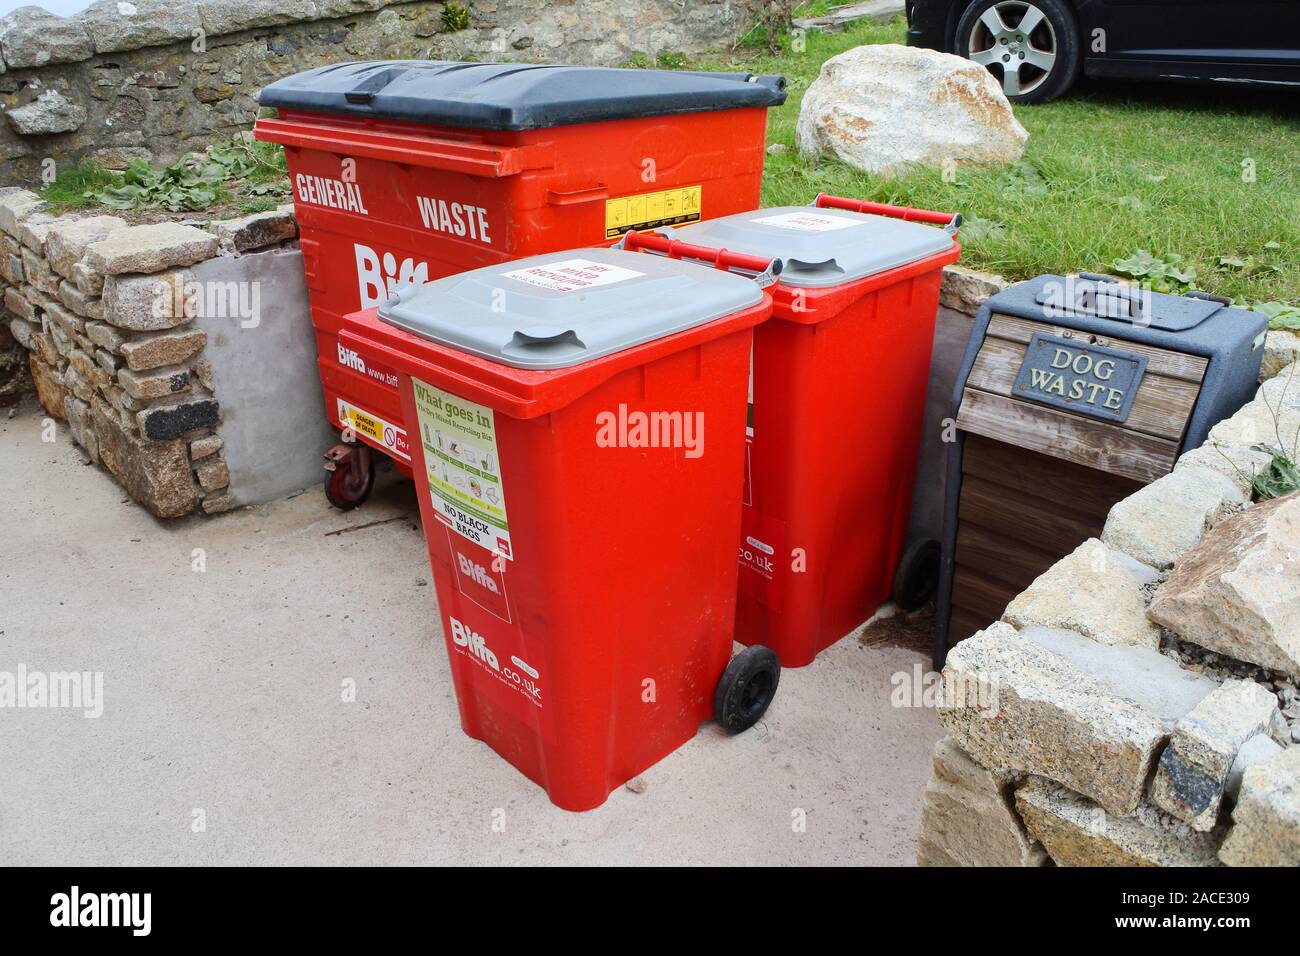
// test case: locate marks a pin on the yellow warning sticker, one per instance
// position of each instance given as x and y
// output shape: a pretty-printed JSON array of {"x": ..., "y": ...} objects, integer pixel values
[{"x": 669, "y": 207}]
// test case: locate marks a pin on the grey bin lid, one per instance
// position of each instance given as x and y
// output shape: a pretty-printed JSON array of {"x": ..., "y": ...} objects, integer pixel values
[
  {"x": 819, "y": 247},
  {"x": 566, "y": 308},
  {"x": 514, "y": 96}
]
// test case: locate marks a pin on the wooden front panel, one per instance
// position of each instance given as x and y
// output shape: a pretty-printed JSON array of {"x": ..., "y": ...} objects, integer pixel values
[
  {"x": 1143, "y": 447},
  {"x": 1018, "y": 514}
]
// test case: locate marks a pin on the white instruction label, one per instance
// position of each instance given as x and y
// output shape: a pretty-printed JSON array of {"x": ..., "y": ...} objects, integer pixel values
[
  {"x": 460, "y": 456},
  {"x": 572, "y": 275},
  {"x": 807, "y": 222}
]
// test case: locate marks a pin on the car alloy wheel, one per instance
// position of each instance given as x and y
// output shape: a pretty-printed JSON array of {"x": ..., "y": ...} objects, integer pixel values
[{"x": 1017, "y": 39}]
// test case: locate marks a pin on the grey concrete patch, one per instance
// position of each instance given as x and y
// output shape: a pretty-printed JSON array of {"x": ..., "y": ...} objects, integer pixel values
[
  {"x": 265, "y": 377},
  {"x": 222, "y": 692}
]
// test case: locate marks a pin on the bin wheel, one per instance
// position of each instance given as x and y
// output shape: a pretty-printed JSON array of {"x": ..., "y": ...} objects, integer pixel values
[
  {"x": 746, "y": 688},
  {"x": 917, "y": 577},
  {"x": 345, "y": 492}
]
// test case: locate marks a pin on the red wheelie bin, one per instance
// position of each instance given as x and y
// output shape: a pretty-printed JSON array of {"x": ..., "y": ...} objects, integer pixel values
[
  {"x": 837, "y": 397},
  {"x": 408, "y": 171},
  {"x": 578, "y": 428}
]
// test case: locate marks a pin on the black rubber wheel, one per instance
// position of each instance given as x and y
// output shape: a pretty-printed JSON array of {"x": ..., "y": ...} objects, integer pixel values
[
  {"x": 1034, "y": 64},
  {"x": 917, "y": 577},
  {"x": 746, "y": 688},
  {"x": 343, "y": 492}
]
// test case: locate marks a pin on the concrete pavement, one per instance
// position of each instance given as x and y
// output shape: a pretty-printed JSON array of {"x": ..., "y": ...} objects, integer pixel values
[{"x": 226, "y": 645}]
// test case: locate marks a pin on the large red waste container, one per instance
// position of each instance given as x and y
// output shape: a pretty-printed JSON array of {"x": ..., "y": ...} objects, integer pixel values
[
  {"x": 407, "y": 171},
  {"x": 578, "y": 428},
  {"x": 838, "y": 394}
]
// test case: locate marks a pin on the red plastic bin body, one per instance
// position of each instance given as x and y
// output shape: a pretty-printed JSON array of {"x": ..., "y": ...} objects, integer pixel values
[
  {"x": 839, "y": 386},
  {"x": 595, "y": 651},
  {"x": 384, "y": 202}
]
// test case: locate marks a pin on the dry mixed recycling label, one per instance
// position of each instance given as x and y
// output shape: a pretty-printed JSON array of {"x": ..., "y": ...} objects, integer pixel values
[
  {"x": 668, "y": 207},
  {"x": 806, "y": 222},
  {"x": 388, "y": 436},
  {"x": 572, "y": 275},
  {"x": 460, "y": 456}
]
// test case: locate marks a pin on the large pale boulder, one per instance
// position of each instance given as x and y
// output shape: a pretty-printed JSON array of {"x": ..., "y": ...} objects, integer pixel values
[
  {"x": 1238, "y": 592},
  {"x": 882, "y": 107}
]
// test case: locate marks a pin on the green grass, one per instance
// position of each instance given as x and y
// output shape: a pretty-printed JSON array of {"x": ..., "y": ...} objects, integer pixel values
[
  {"x": 69, "y": 188},
  {"x": 1109, "y": 169}
]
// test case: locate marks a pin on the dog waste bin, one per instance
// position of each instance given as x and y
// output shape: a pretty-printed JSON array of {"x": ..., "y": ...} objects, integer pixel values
[
  {"x": 579, "y": 426},
  {"x": 1075, "y": 391},
  {"x": 407, "y": 171},
  {"x": 837, "y": 399}
]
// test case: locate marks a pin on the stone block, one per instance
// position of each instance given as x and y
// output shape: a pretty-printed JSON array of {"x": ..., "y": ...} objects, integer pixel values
[
  {"x": 151, "y": 248},
  {"x": 49, "y": 113},
  {"x": 1281, "y": 349},
  {"x": 20, "y": 305},
  {"x": 90, "y": 307},
  {"x": 66, "y": 240},
  {"x": 1238, "y": 592},
  {"x": 87, "y": 280},
  {"x": 50, "y": 390},
  {"x": 1192, "y": 773},
  {"x": 1240, "y": 463},
  {"x": 171, "y": 421},
  {"x": 147, "y": 303},
  {"x": 165, "y": 348},
  {"x": 1161, "y": 522},
  {"x": 1090, "y": 716},
  {"x": 256, "y": 231},
  {"x": 155, "y": 474},
  {"x": 1095, "y": 591},
  {"x": 212, "y": 473},
  {"x": 104, "y": 335},
  {"x": 17, "y": 206},
  {"x": 22, "y": 330},
  {"x": 31, "y": 37},
  {"x": 33, "y": 229},
  {"x": 205, "y": 446},
  {"x": 1077, "y": 832},
  {"x": 217, "y": 503},
  {"x": 967, "y": 818},
  {"x": 1266, "y": 821},
  {"x": 115, "y": 27},
  {"x": 155, "y": 383},
  {"x": 87, "y": 368},
  {"x": 38, "y": 273}
]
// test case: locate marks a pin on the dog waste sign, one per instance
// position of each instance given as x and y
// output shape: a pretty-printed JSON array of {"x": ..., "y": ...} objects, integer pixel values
[{"x": 464, "y": 468}]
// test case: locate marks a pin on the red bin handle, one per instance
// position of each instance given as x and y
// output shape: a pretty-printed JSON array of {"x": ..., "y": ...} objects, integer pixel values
[
  {"x": 950, "y": 220},
  {"x": 719, "y": 258}
]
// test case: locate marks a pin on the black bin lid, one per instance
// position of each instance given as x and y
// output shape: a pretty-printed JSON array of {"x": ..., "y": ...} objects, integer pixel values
[{"x": 514, "y": 96}]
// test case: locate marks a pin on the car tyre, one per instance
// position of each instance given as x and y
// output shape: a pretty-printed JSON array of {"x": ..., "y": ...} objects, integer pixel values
[{"x": 1031, "y": 46}]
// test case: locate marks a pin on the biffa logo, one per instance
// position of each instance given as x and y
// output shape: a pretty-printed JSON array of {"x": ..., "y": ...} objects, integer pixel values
[{"x": 380, "y": 277}]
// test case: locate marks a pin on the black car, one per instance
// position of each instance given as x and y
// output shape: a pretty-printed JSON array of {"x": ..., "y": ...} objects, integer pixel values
[{"x": 1038, "y": 47}]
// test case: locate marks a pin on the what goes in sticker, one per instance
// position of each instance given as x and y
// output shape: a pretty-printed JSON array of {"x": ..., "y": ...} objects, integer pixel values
[{"x": 463, "y": 465}]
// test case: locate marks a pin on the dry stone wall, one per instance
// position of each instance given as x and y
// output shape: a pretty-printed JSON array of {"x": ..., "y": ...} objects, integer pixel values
[
  {"x": 1145, "y": 705},
  {"x": 156, "y": 78},
  {"x": 103, "y": 313}
]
